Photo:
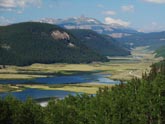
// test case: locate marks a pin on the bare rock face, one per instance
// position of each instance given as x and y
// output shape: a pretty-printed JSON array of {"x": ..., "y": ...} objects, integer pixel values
[
  {"x": 5, "y": 46},
  {"x": 119, "y": 35},
  {"x": 57, "y": 35},
  {"x": 71, "y": 45}
]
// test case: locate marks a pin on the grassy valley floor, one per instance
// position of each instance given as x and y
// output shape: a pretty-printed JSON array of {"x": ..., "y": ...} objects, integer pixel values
[
  {"x": 89, "y": 88},
  {"x": 120, "y": 68}
]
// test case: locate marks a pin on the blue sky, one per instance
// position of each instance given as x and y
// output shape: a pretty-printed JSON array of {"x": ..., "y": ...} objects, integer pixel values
[{"x": 143, "y": 15}]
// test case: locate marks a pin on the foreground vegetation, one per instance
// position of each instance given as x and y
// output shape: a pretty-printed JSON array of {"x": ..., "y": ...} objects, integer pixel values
[{"x": 140, "y": 101}]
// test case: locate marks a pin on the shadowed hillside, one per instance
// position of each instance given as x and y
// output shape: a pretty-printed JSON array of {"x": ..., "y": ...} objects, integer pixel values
[{"x": 102, "y": 44}]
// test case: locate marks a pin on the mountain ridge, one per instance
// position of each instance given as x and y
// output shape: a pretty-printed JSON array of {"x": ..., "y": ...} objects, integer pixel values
[
  {"x": 92, "y": 24},
  {"x": 31, "y": 42},
  {"x": 102, "y": 44}
]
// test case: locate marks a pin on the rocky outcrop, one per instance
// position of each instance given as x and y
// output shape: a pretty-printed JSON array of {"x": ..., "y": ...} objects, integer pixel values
[
  {"x": 57, "y": 35},
  {"x": 5, "y": 46},
  {"x": 71, "y": 45}
]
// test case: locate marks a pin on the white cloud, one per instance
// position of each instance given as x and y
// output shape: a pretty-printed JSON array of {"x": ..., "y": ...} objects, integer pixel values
[
  {"x": 152, "y": 27},
  {"x": 100, "y": 5},
  {"x": 109, "y": 12},
  {"x": 4, "y": 21},
  {"x": 112, "y": 21},
  {"x": 155, "y": 1},
  {"x": 14, "y": 4},
  {"x": 20, "y": 11},
  {"x": 128, "y": 8}
]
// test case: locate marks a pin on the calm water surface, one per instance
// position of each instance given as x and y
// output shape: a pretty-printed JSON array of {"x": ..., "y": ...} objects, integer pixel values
[
  {"x": 36, "y": 94},
  {"x": 99, "y": 78}
]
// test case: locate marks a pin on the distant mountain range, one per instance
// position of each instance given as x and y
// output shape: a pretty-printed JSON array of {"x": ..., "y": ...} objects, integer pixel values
[
  {"x": 154, "y": 40},
  {"x": 74, "y": 40},
  {"x": 116, "y": 31},
  {"x": 33, "y": 42},
  {"x": 127, "y": 36}
]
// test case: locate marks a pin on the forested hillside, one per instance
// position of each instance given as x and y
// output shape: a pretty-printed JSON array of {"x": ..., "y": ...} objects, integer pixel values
[
  {"x": 160, "y": 52},
  {"x": 100, "y": 43},
  {"x": 28, "y": 43},
  {"x": 140, "y": 101}
]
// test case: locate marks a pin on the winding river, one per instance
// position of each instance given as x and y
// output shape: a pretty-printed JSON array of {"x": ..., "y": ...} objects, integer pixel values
[{"x": 72, "y": 79}]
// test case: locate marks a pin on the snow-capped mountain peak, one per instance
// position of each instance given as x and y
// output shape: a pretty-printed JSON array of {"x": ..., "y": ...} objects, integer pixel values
[{"x": 83, "y": 22}]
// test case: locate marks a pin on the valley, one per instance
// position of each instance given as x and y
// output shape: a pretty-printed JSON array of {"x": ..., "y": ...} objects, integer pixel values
[
  {"x": 118, "y": 68},
  {"x": 138, "y": 62},
  {"x": 82, "y": 62}
]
